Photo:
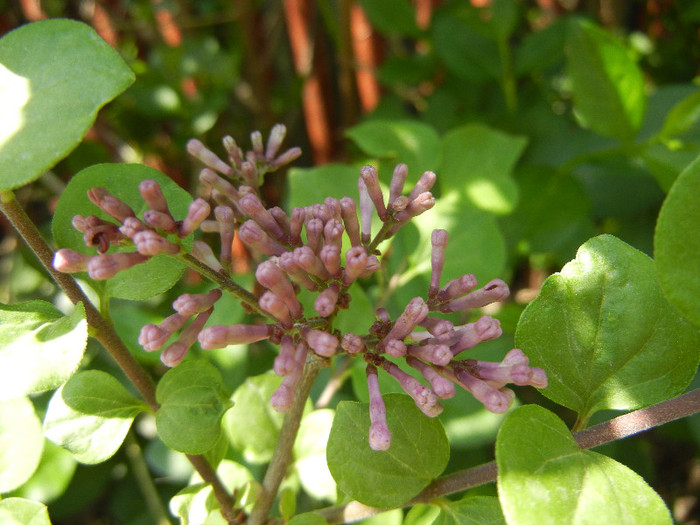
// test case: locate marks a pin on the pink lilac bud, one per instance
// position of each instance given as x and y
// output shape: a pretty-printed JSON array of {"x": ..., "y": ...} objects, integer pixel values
[
  {"x": 208, "y": 157},
  {"x": 272, "y": 278},
  {"x": 355, "y": 262},
  {"x": 69, "y": 261},
  {"x": 400, "y": 203},
  {"x": 369, "y": 175},
  {"x": 101, "y": 267},
  {"x": 366, "y": 208},
  {"x": 492, "y": 398},
  {"x": 379, "y": 435},
  {"x": 438, "y": 239},
  {"x": 198, "y": 211},
  {"x": 352, "y": 343},
  {"x": 153, "y": 195},
  {"x": 333, "y": 206},
  {"x": 382, "y": 315},
  {"x": 83, "y": 224},
  {"x": 306, "y": 259},
  {"x": 296, "y": 223},
  {"x": 284, "y": 362},
  {"x": 484, "y": 329},
  {"x": 333, "y": 233},
  {"x": 176, "y": 352},
  {"x": 203, "y": 253},
  {"x": 326, "y": 301},
  {"x": 250, "y": 205},
  {"x": 330, "y": 257},
  {"x": 437, "y": 354},
  {"x": 225, "y": 218},
  {"x": 420, "y": 204},
  {"x": 496, "y": 290},
  {"x": 116, "y": 208},
  {"x": 103, "y": 235},
  {"x": 253, "y": 235},
  {"x": 457, "y": 287},
  {"x": 160, "y": 221},
  {"x": 220, "y": 336},
  {"x": 513, "y": 369},
  {"x": 323, "y": 343},
  {"x": 296, "y": 274},
  {"x": 283, "y": 397},
  {"x": 274, "y": 141},
  {"x": 371, "y": 266},
  {"x": 188, "y": 305},
  {"x": 282, "y": 221},
  {"x": 256, "y": 139},
  {"x": 249, "y": 173},
  {"x": 152, "y": 336},
  {"x": 271, "y": 303},
  {"x": 150, "y": 243},
  {"x": 235, "y": 153},
  {"x": 441, "y": 329},
  {"x": 348, "y": 211},
  {"x": 314, "y": 234},
  {"x": 286, "y": 157},
  {"x": 425, "y": 399},
  {"x": 214, "y": 181},
  {"x": 424, "y": 184},
  {"x": 131, "y": 226},
  {"x": 416, "y": 310},
  {"x": 443, "y": 387},
  {"x": 397, "y": 181},
  {"x": 394, "y": 347}
]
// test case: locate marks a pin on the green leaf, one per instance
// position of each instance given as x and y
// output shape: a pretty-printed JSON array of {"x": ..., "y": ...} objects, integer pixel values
[
  {"x": 55, "y": 76},
  {"x": 479, "y": 160},
  {"x": 682, "y": 117},
  {"x": 541, "y": 49},
  {"x": 52, "y": 477},
  {"x": 393, "y": 141},
  {"x": 96, "y": 393},
  {"x": 392, "y": 18},
  {"x": 472, "y": 510},
  {"x": 142, "y": 281},
  {"x": 19, "y": 511},
  {"x": 307, "y": 518},
  {"x": 605, "y": 334},
  {"x": 22, "y": 443},
  {"x": 418, "y": 453},
  {"x": 39, "y": 347},
  {"x": 309, "y": 186},
  {"x": 310, "y": 455},
  {"x": 543, "y": 478},
  {"x": 677, "y": 243},
  {"x": 193, "y": 401},
  {"x": 608, "y": 87}
]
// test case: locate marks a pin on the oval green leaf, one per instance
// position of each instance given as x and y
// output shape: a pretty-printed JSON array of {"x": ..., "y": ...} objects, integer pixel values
[
  {"x": 39, "y": 347},
  {"x": 543, "y": 478},
  {"x": 97, "y": 393},
  {"x": 22, "y": 443},
  {"x": 605, "y": 334},
  {"x": 142, "y": 281},
  {"x": 19, "y": 511},
  {"x": 55, "y": 76},
  {"x": 677, "y": 243},
  {"x": 472, "y": 510},
  {"x": 418, "y": 453},
  {"x": 310, "y": 455}
]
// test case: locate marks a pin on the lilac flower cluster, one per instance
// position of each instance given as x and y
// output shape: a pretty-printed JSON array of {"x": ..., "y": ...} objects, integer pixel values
[{"x": 305, "y": 250}]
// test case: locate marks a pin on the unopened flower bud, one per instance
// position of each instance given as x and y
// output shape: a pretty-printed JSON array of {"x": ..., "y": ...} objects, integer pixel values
[
  {"x": 424, "y": 397},
  {"x": 284, "y": 362},
  {"x": 326, "y": 301},
  {"x": 225, "y": 218},
  {"x": 296, "y": 223},
  {"x": 416, "y": 310},
  {"x": 214, "y": 181},
  {"x": 208, "y": 157},
  {"x": 423, "y": 202},
  {"x": 160, "y": 221},
  {"x": 256, "y": 139},
  {"x": 330, "y": 257},
  {"x": 397, "y": 181},
  {"x": 441, "y": 329},
  {"x": 152, "y": 336},
  {"x": 355, "y": 261},
  {"x": 333, "y": 233},
  {"x": 197, "y": 212},
  {"x": 153, "y": 195},
  {"x": 371, "y": 178},
  {"x": 150, "y": 243},
  {"x": 457, "y": 287},
  {"x": 250, "y": 205},
  {"x": 314, "y": 234},
  {"x": 323, "y": 343},
  {"x": 176, "y": 352},
  {"x": 188, "y": 305},
  {"x": 352, "y": 343},
  {"x": 131, "y": 226},
  {"x": 438, "y": 239},
  {"x": 274, "y": 141},
  {"x": 443, "y": 387},
  {"x": 219, "y": 336},
  {"x": 110, "y": 204},
  {"x": 493, "y": 399},
  {"x": 394, "y": 347},
  {"x": 235, "y": 153},
  {"x": 203, "y": 253},
  {"x": 249, "y": 173},
  {"x": 424, "y": 184},
  {"x": 105, "y": 266},
  {"x": 494, "y": 291},
  {"x": 348, "y": 211},
  {"x": 253, "y": 235},
  {"x": 283, "y": 397},
  {"x": 296, "y": 274},
  {"x": 272, "y": 278},
  {"x": 68, "y": 261},
  {"x": 371, "y": 266},
  {"x": 484, "y": 329},
  {"x": 282, "y": 221},
  {"x": 437, "y": 354},
  {"x": 305, "y": 258},
  {"x": 269, "y": 302},
  {"x": 365, "y": 211},
  {"x": 379, "y": 435},
  {"x": 286, "y": 157}
]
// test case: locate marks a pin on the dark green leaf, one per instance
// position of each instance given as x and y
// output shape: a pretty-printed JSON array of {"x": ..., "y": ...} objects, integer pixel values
[
  {"x": 472, "y": 510},
  {"x": 392, "y": 18}
]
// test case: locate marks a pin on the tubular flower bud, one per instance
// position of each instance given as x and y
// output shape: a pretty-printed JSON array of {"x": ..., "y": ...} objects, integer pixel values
[
  {"x": 131, "y": 226},
  {"x": 208, "y": 157},
  {"x": 438, "y": 239},
  {"x": 423, "y": 202},
  {"x": 348, "y": 212},
  {"x": 333, "y": 233},
  {"x": 220, "y": 336},
  {"x": 283, "y": 397},
  {"x": 326, "y": 301},
  {"x": 352, "y": 343},
  {"x": 355, "y": 261},
  {"x": 314, "y": 234},
  {"x": 492, "y": 398},
  {"x": 105, "y": 266},
  {"x": 394, "y": 347},
  {"x": 425, "y": 399},
  {"x": 414, "y": 313},
  {"x": 436, "y": 354},
  {"x": 333, "y": 206},
  {"x": 398, "y": 179},
  {"x": 235, "y": 153},
  {"x": 371, "y": 266},
  {"x": 176, "y": 352},
  {"x": 110, "y": 204},
  {"x": 282, "y": 221},
  {"x": 457, "y": 287},
  {"x": 365, "y": 211},
  {"x": 494, "y": 291},
  {"x": 274, "y": 141},
  {"x": 330, "y": 257},
  {"x": 272, "y": 278},
  {"x": 484, "y": 329},
  {"x": 286, "y": 157},
  {"x": 224, "y": 216},
  {"x": 284, "y": 362},
  {"x": 441, "y": 329},
  {"x": 152, "y": 336},
  {"x": 306, "y": 259},
  {"x": 103, "y": 235},
  {"x": 250, "y": 205},
  {"x": 188, "y": 305},
  {"x": 83, "y": 224},
  {"x": 256, "y": 140},
  {"x": 160, "y": 221},
  {"x": 68, "y": 261},
  {"x": 212, "y": 180},
  {"x": 323, "y": 343},
  {"x": 513, "y": 369},
  {"x": 203, "y": 253},
  {"x": 443, "y": 387},
  {"x": 296, "y": 223},
  {"x": 150, "y": 243},
  {"x": 251, "y": 234},
  {"x": 272, "y": 304},
  {"x": 424, "y": 184},
  {"x": 379, "y": 435},
  {"x": 198, "y": 211},
  {"x": 371, "y": 179},
  {"x": 296, "y": 274},
  {"x": 151, "y": 193}
]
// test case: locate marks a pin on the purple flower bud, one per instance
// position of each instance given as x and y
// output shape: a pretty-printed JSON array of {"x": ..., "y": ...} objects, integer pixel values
[
  {"x": 102, "y": 267},
  {"x": 382, "y": 315},
  {"x": 397, "y": 181},
  {"x": 416, "y": 310},
  {"x": 441, "y": 329},
  {"x": 256, "y": 139},
  {"x": 513, "y": 369},
  {"x": 371, "y": 266},
  {"x": 131, "y": 226},
  {"x": 284, "y": 362},
  {"x": 286, "y": 157},
  {"x": 348, "y": 211},
  {"x": 394, "y": 347},
  {"x": 352, "y": 343},
  {"x": 333, "y": 206},
  {"x": 443, "y": 387},
  {"x": 249, "y": 172},
  {"x": 208, "y": 157},
  {"x": 83, "y": 224},
  {"x": 355, "y": 262},
  {"x": 365, "y": 211},
  {"x": 225, "y": 218},
  {"x": 425, "y": 399},
  {"x": 282, "y": 221},
  {"x": 333, "y": 233},
  {"x": 306, "y": 259},
  {"x": 330, "y": 257},
  {"x": 203, "y": 253},
  {"x": 492, "y": 398},
  {"x": 515, "y": 357},
  {"x": 153, "y": 195},
  {"x": 314, "y": 234},
  {"x": 152, "y": 336},
  {"x": 296, "y": 274},
  {"x": 484, "y": 329},
  {"x": 283, "y": 397},
  {"x": 496, "y": 290},
  {"x": 198, "y": 211},
  {"x": 274, "y": 141},
  {"x": 379, "y": 435},
  {"x": 212, "y": 180},
  {"x": 176, "y": 352},
  {"x": 272, "y": 304},
  {"x": 110, "y": 204},
  {"x": 160, "y": 221},
  {"x": 188, "y": 305},
  {"x": 424, "y": 184},
  {"x": 219, "y": 336},
  {"x": 250, "y": 205},
  {"x": 326, "y": 301},
  {"x": 150, "y": 243},
  {"x": 438, "y": 354},
  {"x": 252, "y": 235},
  {"x": 457, "y": 287},
  {"x": 272, "y": 278},
  {"x": 438, "y": 239},
  {"x": 423, "y": 202},
  {"x": 369, "y": 175},
  {"x": 296, "y": 223},
  {"x": 102, "y": 235},
  {"x": 69, "y": 261},
  {"x": 323, "y": 343},
  {"x": 235, "y": 153},
  {"x": 400, "y": 203}
]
